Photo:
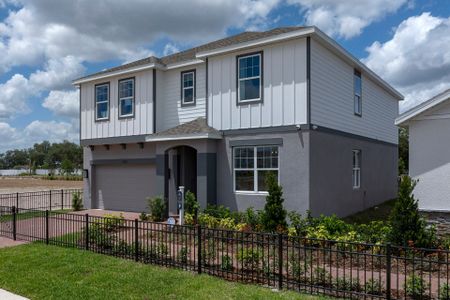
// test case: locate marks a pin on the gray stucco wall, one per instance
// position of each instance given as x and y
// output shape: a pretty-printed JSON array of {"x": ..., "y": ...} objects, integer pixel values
[
  {"x": 293, "y": 168},
  {"x": 331, "y": 173}
]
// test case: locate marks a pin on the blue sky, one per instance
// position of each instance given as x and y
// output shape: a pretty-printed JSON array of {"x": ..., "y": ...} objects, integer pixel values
[{"x": 47, "y": 43}]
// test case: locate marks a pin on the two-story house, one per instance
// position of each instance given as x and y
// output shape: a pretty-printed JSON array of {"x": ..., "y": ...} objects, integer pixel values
[{"x": 219, "y": 117}]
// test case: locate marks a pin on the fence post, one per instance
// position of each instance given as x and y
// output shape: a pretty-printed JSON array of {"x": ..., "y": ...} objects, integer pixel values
[
  {"x": 199, "y": 249},
  {"x": 388, "y": 271},
  {"x": 280, "y": 261},
  {"x": 50, "y": 200},
  {"x": 86, "y": 226},
  {"x": 62, "y": 199},
  {"x": 46, "y": 227},
  {"x": 14, "y": 223},
  {"x": 17, "y": 200},
  {"x": 136, "y": 240}
]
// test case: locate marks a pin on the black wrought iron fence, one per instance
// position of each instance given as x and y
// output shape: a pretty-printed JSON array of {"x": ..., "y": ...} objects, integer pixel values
[
  {"x": 335, "y": 268},
  {"x": 40, "y": 200}
]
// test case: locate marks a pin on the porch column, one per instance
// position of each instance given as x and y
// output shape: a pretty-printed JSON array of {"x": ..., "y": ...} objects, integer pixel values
[{"x": 206, "y": 179}]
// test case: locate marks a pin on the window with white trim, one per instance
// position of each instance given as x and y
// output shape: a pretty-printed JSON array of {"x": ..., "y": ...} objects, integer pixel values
[
  {"x": 102, "y": 102},
  {"x": 356, "y": 174},
  {"x": 188, "y": 88},
  {"x": 126, "y": 98},
  {"x": 252, "y": 166},
  {"x": 357, "y": 90},
  {"x": 249, "y": 78}
]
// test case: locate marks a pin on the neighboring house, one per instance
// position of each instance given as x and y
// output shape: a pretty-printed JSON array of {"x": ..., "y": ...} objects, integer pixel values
[
  {"x": 429, "y": 155},
  {"x": 219, "y": 117}
]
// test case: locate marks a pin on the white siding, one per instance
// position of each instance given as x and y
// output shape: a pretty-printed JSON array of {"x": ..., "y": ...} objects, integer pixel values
[
  {"x": 141, "y": 123},
  {"x": 332, "y": 99},
  {"x": 284, "y": 89},
  {"x": 429, "y": 159},
  {"x": 170, "y": 98}
]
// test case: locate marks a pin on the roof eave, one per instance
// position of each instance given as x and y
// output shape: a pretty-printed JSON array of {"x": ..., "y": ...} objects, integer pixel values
[{"x": 196, "y": 136}]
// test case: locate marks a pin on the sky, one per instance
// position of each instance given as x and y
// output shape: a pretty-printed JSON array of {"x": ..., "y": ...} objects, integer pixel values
[{"x": 45, "y": 44}]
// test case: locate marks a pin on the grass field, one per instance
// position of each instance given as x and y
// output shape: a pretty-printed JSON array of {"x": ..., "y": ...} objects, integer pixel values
[{"x": 38, "y": 271}]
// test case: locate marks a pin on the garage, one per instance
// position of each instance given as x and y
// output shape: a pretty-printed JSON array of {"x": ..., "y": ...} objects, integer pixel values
[{"x": 124, "y": 187}]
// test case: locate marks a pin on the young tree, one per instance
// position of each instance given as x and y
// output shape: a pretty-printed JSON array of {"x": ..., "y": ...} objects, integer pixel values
[
  {"x": 274, "y": 216},
  {"x": 403, "y": 151},
  {"x": 408, "y": 226},
  {"x": 67, "y": 166}
]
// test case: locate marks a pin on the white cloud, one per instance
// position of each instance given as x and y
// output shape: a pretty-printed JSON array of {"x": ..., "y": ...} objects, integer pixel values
[
  {"x": 417, "y": 58},
  {"x": 346, "y": 18},
  {"x": 170, "y": 48},
  {"x": 63, "y": 103},
  {"x": 13, "y": 96}
]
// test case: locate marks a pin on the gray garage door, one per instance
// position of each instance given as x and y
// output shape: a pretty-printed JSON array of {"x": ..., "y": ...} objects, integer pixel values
[{"x": 124, "y": 187}]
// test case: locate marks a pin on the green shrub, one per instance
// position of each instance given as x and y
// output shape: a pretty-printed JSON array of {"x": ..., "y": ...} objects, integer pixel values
[
  {"x": 208, "y": 220},
  {"x": 112, "y": 223},
  {"x": 249, "y": 258},
  {"x": 274, "y": 216},
  {"x": 77, "y": 201},
  {"x": 373, "y": 287},
  {"x": 99, "y": 238},
  {"x": 217, "y": 211},
  {"x": 183, "y": 255},
  {"x": 157, "y": 207},
  {"x": 415, "y": 287},
  {"x": 252, "y": 217},
  {"x": 191, "y": 205},
  {"x": 143, "y": 216},
  {"x": 407, "y": 224},
  {"x": 209, "y": 252},
  {"x": 226, "y": 264},
  {"x": 298, "y": 223},
  {"x": 444, "y": 292},
  {"x": 321, "y": 277}
]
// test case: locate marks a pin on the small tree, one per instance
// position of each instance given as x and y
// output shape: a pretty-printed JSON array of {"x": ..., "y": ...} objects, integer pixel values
[
  {"x": 77, "y": 201},
  {"x": 274, "y": 216},
  {"x": 191, "y": 205},
  {"x": 67, "y": 167},
  {"x": 157, "y": 208},
  {"x": 407, "y": 224}
]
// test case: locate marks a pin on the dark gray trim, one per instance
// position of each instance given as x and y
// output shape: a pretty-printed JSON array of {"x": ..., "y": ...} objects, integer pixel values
[
  {"x": 134, "y": 98},
  {"x": 261, "y": 70},
  {"x": 206, "y": 89},
  {"x": 276, "y": 129},
  {"x": 115, "y": 140},
  {"x": 119, "y": 161},
  {"x": 95, "y": 101},
  {"x": 308, "y": 80},
  {"x": 195, "y": 88},
  {"x": 256, "y": 142},
  {"x": 154, "y": 100}
]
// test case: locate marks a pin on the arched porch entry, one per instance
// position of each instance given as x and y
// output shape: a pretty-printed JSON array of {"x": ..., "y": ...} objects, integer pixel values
[{"x": 181, "y": 170}]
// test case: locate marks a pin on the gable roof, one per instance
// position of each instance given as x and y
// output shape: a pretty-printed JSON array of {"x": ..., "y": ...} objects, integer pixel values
[{"x": 423, "y": 107}]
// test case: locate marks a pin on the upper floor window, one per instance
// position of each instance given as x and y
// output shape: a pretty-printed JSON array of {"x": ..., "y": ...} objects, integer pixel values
[
  {"x": 126, "y": 98},
  {"x": 356, "y": 174},
  {"x": 252, "y": 165},
  {"x": 102, "y": 101},
  {"x": 357, "y": 89},
  {"x": 249, "y": 83},
  {"x": 188, "y": 88}
]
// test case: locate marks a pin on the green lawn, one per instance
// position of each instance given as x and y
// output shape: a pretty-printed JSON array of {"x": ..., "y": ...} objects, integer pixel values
[{"x": 38, "y": 271}]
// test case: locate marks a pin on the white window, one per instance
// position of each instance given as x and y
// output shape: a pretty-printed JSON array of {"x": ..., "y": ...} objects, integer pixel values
[
  {"x": 356, "y": 175},
  {"x": 357, "y": 89},
  {"x": 249, "y": 78},
  {"x": 102, "y": 101},
  {"x": 188, "y": 88},
  {"x": 252, "y": 165},
  {"x": 126, "y": 98}
]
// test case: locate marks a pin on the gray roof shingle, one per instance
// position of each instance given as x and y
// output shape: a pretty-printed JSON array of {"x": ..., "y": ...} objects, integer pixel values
[{"x": 194, "y": 127}]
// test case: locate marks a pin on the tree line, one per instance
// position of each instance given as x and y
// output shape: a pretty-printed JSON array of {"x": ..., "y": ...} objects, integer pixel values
[{"x": 65, "y": 156}]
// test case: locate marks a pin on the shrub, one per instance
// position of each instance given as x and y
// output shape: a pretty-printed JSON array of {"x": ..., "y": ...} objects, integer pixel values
[
  {"x": 444, "y": 292},
  {"x": 112, "y": 222},
  {"x": 415, "y": 287},
  {"x": 183, "y": 255},
  {"x": 143, "y": 216},
  {"x": 157, "y": 208},
  {"x": 77, "y": 201},
  {"x": 189, "y": 219},
  {"x": 207, "y": 220},
  {"x": 274, "y": 215},
  {"x": 227, "y": 223},
  {"x": 216, "y": 211},
  {"x": 227, "y": 264},
  {"x": 252, "y": 217},
  {"x": 373, "y": 287},
  {"x": 249, "y": 258},
  {"x": 209, "y": 252},
  {"x": 191, "y": 205},
  {"x": 407, "y": 224},
  {"x": 298, "y": 223},
  {"x": 321, "y": 276},
  {"x": 99, "y": 237}
]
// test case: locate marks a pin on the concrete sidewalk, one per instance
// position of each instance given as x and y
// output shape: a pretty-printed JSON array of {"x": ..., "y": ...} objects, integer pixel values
[
  {"x": 5, "y": 295},
  {"x": 6, "y": 242}
]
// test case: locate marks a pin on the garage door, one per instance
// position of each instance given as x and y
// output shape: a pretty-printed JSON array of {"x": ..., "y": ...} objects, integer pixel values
[{"x": 124, "y": 187}]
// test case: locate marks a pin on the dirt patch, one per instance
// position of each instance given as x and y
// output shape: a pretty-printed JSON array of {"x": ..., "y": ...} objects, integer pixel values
[
  {"x": 5, "y": 242},
  {"x": 19, "y": 184}
]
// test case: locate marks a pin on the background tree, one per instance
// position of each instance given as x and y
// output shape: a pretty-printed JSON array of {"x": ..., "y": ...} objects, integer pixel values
[
  {"x": 403, "y": 151},
  {"x": 274, "y": 215}
]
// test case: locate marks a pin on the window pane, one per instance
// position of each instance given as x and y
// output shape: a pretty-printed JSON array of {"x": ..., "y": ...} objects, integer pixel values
[
  {"x": 102, "y": 110},
  {"x": 244, "y": 158},
  {"x": 102, "y": 93},
  {"x": 249, "y": 66},
  {"x": 249, "y": 89},
  {"x": 267, "y": 157},
  {"x": 126, "y": 88},
  {"x": 357, "y": 104},
  {"x": 244, "y": 180},
  {"x": 188, "y": 79},
  {"x": 188, "y": 95},
  {"x": 262, "y": 177},
  {"x": 126, "y": 107},
  {"x": 357, "y": 84}
]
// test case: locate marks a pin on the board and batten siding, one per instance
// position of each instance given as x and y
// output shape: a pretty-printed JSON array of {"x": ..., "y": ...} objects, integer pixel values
[
  {"x": 332, "y": 103},
  {"x": 169, "y": 97},
  {"x": 141, "y": 123},
  {"x": 284, "y": 86}
]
